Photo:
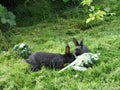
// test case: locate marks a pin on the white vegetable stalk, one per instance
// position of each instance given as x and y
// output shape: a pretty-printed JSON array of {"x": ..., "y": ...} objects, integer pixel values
[{"x": 84, "y": 59}]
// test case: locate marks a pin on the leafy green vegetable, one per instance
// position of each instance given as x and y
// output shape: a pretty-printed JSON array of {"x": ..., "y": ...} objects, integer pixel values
[{"x": 23, "y": 50}]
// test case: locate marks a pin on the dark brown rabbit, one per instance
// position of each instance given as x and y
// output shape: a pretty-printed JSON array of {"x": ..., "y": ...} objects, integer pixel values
[
  {"x": 80, "y": 47},
  {"x": 52, "y": 60}
]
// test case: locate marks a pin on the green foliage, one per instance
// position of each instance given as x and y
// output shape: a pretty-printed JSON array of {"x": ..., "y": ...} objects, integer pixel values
[
  {"x": 87, "y": 2},
  {"x": 66, "y": 1},
  {"x": 23, "y": 50},
  {"x": 98, "y": 15},
  {"x": 2, "y": 40},
  {"x": 7, "y": 16},
  {"x": 4, "y": 45},
  {"x": 34, "y": 12},
  {"x": 95, "y": 14}
]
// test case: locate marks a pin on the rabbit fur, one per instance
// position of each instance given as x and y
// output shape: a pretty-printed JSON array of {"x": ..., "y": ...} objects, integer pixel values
[{"x": 52, "y": 60}]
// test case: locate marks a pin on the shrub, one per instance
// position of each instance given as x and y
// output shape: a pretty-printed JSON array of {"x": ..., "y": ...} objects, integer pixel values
[{"x": 7, "y": 18}]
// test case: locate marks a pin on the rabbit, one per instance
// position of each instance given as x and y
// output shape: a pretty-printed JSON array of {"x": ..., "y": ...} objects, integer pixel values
[
  {"x": 52, "y": 60},
  {"x": 80, "y": 48}
]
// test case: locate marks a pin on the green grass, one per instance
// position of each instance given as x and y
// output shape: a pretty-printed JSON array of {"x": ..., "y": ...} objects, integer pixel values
[
  {"x": 103, "y": 37},
  {"x": 15, "y": 74}
]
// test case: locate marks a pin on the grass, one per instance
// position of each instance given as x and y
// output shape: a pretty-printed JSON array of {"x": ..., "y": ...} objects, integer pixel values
[
  {"x": 103, "y": 37},
  {"x": 15, "y": 74}
]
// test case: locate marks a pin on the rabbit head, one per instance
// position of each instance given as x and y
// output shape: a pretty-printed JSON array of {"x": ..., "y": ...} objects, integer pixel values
[{"x": 80, "y": 47}]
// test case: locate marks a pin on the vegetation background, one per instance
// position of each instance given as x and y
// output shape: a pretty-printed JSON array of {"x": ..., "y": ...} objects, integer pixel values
[{"x": 47, "y": 25}]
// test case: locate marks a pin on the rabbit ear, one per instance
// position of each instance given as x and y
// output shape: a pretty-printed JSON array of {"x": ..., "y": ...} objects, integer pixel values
[
  {"x": 75, "y": 42},
  {"x": 67, "y": 49},
  {"x": 81, "y": 42}
]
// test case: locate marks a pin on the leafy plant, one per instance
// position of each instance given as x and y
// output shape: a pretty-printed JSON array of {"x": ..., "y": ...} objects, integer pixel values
[
  {"x": 6, "y": 17},
  {"x": 87, "y": 2},
  {"x": 95, "y": 14},
  {"x": 82, "y": 62},
  {"x": 23, "y": 50}
]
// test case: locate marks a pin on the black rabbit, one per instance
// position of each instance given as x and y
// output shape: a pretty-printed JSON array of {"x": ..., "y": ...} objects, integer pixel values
[
  {"x": 52, "y": 60},
  {"x": 80, "y": 48}
]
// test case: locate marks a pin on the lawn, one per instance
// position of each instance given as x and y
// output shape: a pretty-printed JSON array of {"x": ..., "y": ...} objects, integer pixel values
[
  {"x": 15, "y": 73},
  {"x": 99, "y": 36}
]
